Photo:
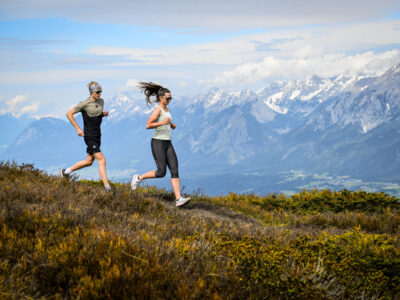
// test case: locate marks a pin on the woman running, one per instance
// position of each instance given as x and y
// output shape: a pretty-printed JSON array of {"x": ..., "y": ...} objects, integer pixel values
[
  {"x": 161, "y": 146},
  {"x": 92, "y": 113}
]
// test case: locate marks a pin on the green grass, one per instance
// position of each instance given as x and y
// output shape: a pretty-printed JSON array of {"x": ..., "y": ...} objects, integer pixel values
[{"x": 71, "y": 240}]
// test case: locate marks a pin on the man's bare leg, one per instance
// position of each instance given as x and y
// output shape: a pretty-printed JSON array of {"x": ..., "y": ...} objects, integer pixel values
[
  {"x": 83, "y": 163},
  {"x": 102, "y": 167}
]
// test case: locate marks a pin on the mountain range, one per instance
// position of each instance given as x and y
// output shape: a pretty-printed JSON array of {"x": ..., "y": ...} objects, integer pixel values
[{"x": 247, "y": 141}]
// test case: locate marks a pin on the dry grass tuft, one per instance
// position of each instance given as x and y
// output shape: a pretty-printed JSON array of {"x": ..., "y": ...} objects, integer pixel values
[{"x": 62, "y": 239}]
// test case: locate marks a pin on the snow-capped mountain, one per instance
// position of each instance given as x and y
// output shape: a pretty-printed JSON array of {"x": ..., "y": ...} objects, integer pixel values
[
  {"x": 367, "y": 103},
  {"x": 122, "y": 106},
  {"x": 352, "y": 100},
  {"x": 343, "y": 125},
  {"x": 302, "y": 96}
]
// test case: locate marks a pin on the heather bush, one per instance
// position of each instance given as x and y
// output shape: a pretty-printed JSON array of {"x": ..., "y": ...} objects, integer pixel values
[{"x": 71, "y": 240}]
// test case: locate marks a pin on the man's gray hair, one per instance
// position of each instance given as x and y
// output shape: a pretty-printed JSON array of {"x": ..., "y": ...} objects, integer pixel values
[{"x": 94, "y": 87}]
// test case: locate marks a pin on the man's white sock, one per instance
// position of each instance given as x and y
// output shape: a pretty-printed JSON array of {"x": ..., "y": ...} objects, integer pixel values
[{"x": 67, "y": 171}]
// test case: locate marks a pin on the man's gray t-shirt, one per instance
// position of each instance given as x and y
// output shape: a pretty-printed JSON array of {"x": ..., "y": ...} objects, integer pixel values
[
  {"x": 92, "y": 114},
  {"x": 92, "y": 108}
]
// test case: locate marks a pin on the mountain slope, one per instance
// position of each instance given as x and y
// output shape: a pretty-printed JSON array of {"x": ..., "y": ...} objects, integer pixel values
[
  {"x": 47, "y": 143},
  {"x": 64, "y": 239},
  {"x": 11, "y": 127}
]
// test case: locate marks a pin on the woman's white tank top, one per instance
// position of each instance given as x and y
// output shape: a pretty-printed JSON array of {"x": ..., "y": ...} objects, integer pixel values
[{"x": 163, "y": 132}]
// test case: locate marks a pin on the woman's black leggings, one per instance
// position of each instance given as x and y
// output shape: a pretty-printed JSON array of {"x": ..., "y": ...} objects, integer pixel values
[{"x": 164, "y": 154}]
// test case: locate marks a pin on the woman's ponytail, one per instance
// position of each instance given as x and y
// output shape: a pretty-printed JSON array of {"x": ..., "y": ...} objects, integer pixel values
[{"x": 152, "y": 89}]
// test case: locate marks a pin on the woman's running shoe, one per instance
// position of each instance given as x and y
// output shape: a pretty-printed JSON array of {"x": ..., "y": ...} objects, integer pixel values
[
  {"x": 181, "y": 201},
  {"x": 135, "y": 182}
]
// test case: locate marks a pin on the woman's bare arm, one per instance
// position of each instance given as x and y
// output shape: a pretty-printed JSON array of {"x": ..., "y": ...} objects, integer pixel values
[{"x": 151, "y": 122}]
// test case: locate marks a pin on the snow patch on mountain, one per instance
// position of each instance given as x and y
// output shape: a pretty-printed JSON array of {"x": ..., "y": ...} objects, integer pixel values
[
  {"x": 123, "y": 106},
  {"x": 263, "y": 113},
  {"x": 217, "y": 100}
]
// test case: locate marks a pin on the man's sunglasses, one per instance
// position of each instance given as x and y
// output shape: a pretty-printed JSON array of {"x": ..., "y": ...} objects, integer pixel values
[
  {"x": 168, "y": 99},
  {"x": 99, "y": 92}
]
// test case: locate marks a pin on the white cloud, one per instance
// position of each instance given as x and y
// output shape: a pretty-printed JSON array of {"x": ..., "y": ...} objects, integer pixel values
[
  {"x": 303, "y": 42},
  {"x": 28, "y": 109},
  {"x": 56, "y": 116},
  {"x": 12, "y": 103},
  {"x": 301, "y": 66},
  {"x": 226, "y": 52},
  {"x": 131, "y": 86},
  {"x": 17, "y": 106},
  {"x": 132, "y": 83}
]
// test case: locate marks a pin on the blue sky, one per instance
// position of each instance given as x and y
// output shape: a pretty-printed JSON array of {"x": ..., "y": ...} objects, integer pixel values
[{"x": 49, "y": 50}]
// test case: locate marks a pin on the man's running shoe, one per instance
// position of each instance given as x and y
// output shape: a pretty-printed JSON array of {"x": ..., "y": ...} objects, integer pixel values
[
  {"x": 181, "y": 201},
  {"x": 63, "y": 175},
  {"x": 135, "y": 182}
]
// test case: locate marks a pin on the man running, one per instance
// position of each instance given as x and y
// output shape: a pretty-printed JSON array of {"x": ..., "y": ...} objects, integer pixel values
[{"x": 92, "y": 113}]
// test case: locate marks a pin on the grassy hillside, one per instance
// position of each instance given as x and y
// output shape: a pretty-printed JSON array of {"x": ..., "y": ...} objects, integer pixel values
[{"x": 62, "y": 239}]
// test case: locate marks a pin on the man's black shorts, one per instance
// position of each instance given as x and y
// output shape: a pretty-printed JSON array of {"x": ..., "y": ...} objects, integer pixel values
[{"x": 93, "y": 144}]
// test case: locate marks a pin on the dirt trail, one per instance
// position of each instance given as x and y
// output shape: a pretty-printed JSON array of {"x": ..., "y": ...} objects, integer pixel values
[{"x": 209, "y": 210}]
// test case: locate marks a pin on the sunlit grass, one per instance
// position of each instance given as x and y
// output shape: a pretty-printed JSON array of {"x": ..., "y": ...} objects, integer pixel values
[{"x": 62, "y": 239}]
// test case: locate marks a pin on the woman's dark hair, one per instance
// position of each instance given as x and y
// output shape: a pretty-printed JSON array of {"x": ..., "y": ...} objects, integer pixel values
[{"x": 152, "y": 89}]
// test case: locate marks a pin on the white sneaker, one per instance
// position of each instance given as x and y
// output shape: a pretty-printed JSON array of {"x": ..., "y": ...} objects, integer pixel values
[
  {"x": 135, "y": 182},
  {"x": 182, "y": 201}
]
